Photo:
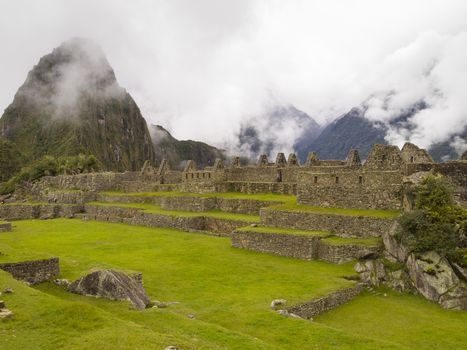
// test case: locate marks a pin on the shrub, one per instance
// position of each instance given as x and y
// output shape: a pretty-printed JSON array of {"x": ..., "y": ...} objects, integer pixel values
[
  {"x": 50, "y": 166},
  {"x": 437, "y": 223}
]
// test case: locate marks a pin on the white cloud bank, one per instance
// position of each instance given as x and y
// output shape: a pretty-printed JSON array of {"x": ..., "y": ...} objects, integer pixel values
[{"x": 202, "y": 67}]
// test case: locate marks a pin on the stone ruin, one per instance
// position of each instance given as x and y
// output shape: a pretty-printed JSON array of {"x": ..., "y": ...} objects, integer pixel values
[{"x": 377, "y": 183}]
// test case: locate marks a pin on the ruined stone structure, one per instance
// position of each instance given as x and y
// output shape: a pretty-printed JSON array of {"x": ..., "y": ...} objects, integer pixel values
[
  {"x": 318, "y": 306},
  {"x": 188, "y": 200},
  {"x": 34, "y": 271},
  {"x": 373, "y": 184}
]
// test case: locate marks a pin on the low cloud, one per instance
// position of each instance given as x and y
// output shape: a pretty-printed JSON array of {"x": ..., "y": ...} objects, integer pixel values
[{"x": 431, "y": 70}]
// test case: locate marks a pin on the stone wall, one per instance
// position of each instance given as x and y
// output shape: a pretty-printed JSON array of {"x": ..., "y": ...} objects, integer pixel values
[
  {"x": 331, "y": 301},
  {"x": 342, "y": 253},
  {"x": 223, "y": 227},
  {"x": 135, "y": 216},
  {"x": 294, "y": 246},
  {"x": 341, "y": 225},
  {"x": 34, "y": 271},
  {"x": 350, "y": 188},
  {"x": 193, "y": 204},
  {"x": 242, "y": 206},
  {"x": 5, "y": 226},
  {"x": 258, "y": 187},
  {"x": 306, "y": 247},
  {"x": 65, "y": 196},
  {"x": 38, "y": 211},
  {"x": 98, "y": 182}
]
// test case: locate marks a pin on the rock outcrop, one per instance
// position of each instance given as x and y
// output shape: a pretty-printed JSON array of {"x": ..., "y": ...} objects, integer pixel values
[
  {"x": 176, "y": 151},
  {"x": 427, "y": 273},
  {"x": 435, "y": 279},
  {"x": 113, "y": 285}
]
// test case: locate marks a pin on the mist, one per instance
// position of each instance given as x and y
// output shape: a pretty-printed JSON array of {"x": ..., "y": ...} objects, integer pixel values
[{"x": 202, "y": 69}]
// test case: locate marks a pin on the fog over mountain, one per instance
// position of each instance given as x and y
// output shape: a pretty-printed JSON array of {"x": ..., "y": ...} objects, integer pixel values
[{"x": 207, "y": 69}]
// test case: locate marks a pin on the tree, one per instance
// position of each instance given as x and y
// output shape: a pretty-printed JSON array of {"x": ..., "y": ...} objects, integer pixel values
[{"x": 437, "y": 223}]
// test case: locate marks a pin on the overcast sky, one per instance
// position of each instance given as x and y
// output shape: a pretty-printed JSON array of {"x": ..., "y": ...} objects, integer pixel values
[{"x": 200, "y": 67}]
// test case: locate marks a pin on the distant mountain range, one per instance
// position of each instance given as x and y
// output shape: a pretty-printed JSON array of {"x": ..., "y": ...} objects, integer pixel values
[
  {"x": 286, "y": 127},
  {"x": 354, "y": 131}
]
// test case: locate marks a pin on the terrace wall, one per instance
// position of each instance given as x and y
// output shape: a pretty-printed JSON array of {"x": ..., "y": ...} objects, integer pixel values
[
  {"x": 38, "y": 211},
  {"x": 306, "y": 247},
  {"x": 341, "y": 225},
  {"x": 135, "y": 216},
  {"x": 294, "y": 246},
  {"x": 331, "y": 301},
  {"x": 5, "y": 226},
  {"x": 34, "y": 271}
]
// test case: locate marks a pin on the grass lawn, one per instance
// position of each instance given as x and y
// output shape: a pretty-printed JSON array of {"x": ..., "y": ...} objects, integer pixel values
[
  {"x": 234, "y": 195},
  {"x": 153, "y": 208},
  {"x": 285, "y": 231},
  {"x": 228, "y": 290},
  {"x": 337, "y": 211}
]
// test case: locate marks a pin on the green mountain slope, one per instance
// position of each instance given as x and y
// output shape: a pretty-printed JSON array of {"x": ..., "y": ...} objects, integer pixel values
[{"x": 176, "y": 151}]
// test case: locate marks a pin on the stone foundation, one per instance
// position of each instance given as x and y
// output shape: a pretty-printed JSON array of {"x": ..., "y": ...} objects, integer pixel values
[
  {"x": 341, "y": 225},
  {"x": 34, "y": 271},
  {"x": 331, "y": 301}
]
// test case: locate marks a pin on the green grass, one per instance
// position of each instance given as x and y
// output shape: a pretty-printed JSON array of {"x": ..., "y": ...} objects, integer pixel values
[
  {"x": 335, "y": 240},
  {"x": 286, "y": 231},
  {"x": 233, "y": 195},
  {"x": 228, "y": 290},
  {"x": 412, "y": 321},
  {"x": 156, "y": 209},
  {"x": 337, "y": 211}
]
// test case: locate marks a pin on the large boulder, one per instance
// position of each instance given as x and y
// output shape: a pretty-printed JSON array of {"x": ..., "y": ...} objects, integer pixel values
[
  {"x": 113, "y": 285},
  {"x": 392, "y": 244},
  {"x": 435, "y": 279}
]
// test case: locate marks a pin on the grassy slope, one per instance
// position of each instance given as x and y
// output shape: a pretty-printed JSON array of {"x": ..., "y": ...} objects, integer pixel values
[
  {"x": 152, "y": 208},
  {"x": 228, "y": 290}
]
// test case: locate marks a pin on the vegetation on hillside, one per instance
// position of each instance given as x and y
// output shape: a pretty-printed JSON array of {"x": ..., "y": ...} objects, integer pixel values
[
  {"x": 437, "y": 223},
  {"x": 10, "y": 159},
  {"x": 49, "y": 166}
]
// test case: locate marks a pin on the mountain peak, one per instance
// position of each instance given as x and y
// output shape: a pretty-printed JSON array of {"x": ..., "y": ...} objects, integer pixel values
[{"x": 71, "y": 103}]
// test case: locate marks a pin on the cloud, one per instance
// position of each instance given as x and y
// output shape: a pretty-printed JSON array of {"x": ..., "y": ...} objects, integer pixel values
[
  {"x": 203, "y": 68},
  {"x": 432, "y": 69}
]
